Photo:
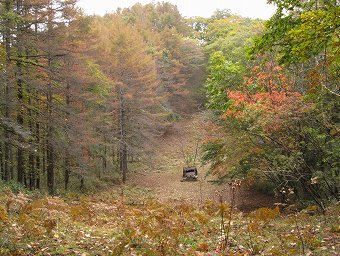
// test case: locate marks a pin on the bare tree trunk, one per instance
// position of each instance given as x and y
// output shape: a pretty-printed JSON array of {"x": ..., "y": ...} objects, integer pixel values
[
  {"x": 38, "y": 148},
  {"x": 31, "y": 157},
  {"x": 122, "y": 144},
  {"x": 11, "y": 166},
  {"x": 50, "y": 149},
  {"x": 67, "y": 153},
  {"x": 37, "y": 156},
  {"x": 20, "y": 95},
  {"x": 1, "y": 162},
  {"x": 7, "y": 147},
  {"x": 50, "y": 124},
  {"x": 32, "y": 175},
  {"x": 82, "y": 183},
  {"x": 44, "y": 153}
]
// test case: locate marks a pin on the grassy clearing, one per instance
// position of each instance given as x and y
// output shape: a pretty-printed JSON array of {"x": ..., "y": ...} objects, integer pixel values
[{"x": 129, "y": 221}]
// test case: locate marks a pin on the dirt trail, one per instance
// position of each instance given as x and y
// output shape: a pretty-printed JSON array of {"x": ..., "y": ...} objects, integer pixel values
[{"x": 165, "y": 177}]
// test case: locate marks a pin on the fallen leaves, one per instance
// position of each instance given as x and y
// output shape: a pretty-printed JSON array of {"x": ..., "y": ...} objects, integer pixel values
[{"x": 112, "y": 227}]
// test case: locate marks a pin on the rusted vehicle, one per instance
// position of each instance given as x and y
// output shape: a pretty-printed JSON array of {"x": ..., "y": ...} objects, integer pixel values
[{"x": 190, "y": 174}]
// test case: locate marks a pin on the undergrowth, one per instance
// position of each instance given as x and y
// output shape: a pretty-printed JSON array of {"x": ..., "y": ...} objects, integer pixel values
[{"x": 129, "y": 221}]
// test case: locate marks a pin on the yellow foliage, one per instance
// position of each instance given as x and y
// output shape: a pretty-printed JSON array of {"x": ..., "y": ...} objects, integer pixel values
[
  {"x": 264, "y": 214},
  {"x": 30, "y": 227},
  {"x": 314, "y": 243},
  {"x": 184, "y": 207},
  {"x": 3, "y": 215},
  {"x": 158, "y": 228},
  {"x": 254, "y": 226},
  {"x": 224, "y": 207},
  {"x": 312, "y": 209},
  {"x": 15, "y": 203},
  {"x": 210, "y": 207},
  {"x": 80, "y": 212},
  {"x": 201, "y": 218},
  {"x": 335, "y": 228},
  {"x": 22, "y": 218}
]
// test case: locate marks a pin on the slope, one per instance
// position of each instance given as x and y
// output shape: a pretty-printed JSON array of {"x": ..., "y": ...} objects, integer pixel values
[{"x": 163, "y": 178}]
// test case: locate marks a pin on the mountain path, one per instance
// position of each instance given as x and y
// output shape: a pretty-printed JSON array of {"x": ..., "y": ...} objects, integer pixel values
[{"x": 164, "y": 178}]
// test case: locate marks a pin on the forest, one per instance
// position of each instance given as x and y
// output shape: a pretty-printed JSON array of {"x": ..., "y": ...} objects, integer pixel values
[{"x": 99, "y": 115}]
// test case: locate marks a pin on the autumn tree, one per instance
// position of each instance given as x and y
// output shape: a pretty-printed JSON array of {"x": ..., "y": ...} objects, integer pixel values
[
  {"x": 282, "y": 115},
  {"x": 179, "y": 58},
  {"x": 34, "y": 49},
  {"x": 126, "y": 62}
]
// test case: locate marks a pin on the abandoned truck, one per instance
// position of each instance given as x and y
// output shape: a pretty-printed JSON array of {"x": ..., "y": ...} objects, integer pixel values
[{"x": 190, "y": 174}]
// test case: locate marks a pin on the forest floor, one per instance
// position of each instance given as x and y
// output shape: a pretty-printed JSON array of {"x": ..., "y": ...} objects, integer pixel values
[
  {"x": 164, "y": 177},
  {"x": 157, "y": 215},
  {"x": 129, "y": 222}
]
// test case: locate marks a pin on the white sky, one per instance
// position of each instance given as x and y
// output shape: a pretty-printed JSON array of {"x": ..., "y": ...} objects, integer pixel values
[{"x": 189, "y": 8}]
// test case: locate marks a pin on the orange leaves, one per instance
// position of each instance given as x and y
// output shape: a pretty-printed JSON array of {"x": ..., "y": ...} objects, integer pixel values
[
  {"x": 277, "y": 68},
  {"x": 271, "y": 108},
  {"x": 268, "y": 77},
  {"x": 217, "y": 170},
  {"x": 203, "y": 247},
  {"x": 49, "y": 225},
  {"x": 268, "y": 103},
  {"x": 238, "y": 97}
]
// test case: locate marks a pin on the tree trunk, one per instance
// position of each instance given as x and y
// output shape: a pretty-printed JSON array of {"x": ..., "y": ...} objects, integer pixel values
[
  {"x": 82, "y": 183},
  {"x": 20, "y": 95},
  {"x": 67, "y": 152},
  {"x": 32, "y": 171},
  {"x": 37, "y": 155},
  {"x": 11, "y": 166},
  {"x": 50, "y": 149},
  {"x": 1, "y": 162},
  {"x": 44, "y": 156},
  {"x": 31, "y": 157},
  {"x": 7, "y": 147},
  {"x": 39, "y": 148},
  {"x": 122, "y": 144}
]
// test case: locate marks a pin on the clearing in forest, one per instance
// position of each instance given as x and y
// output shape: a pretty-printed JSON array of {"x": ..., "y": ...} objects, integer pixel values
[{"x": 171, "y": 151}]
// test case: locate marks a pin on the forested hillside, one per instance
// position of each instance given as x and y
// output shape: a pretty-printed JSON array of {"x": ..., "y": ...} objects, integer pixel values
[
  {"x": 83, "y": 95},
  {"x": 99, "y": 114},
  {"x": 278, "y": 113}
]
